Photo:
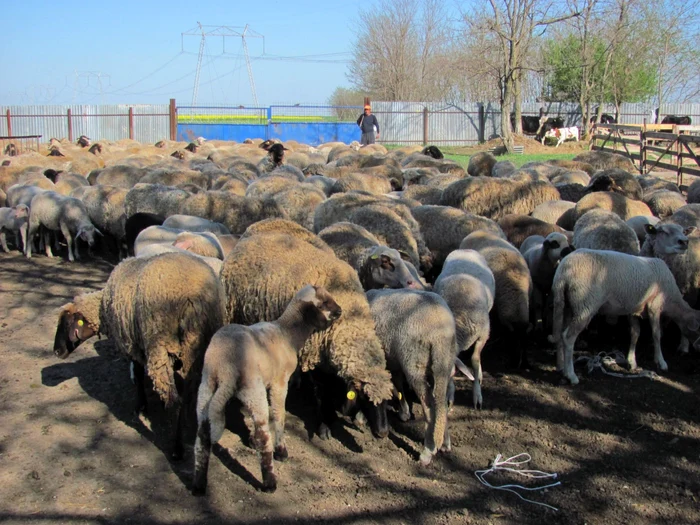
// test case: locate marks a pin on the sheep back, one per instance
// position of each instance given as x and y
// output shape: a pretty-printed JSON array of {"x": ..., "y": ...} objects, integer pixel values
[{"x": 604, "y": 230}]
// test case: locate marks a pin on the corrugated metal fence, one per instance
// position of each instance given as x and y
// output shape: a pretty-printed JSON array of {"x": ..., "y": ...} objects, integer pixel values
[
  {"x": 145, "y": 122},
  {"x": 400, "y": 122}
]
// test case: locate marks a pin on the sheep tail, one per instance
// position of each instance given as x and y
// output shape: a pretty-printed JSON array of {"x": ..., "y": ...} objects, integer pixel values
[{"x": 160, "y": 370}]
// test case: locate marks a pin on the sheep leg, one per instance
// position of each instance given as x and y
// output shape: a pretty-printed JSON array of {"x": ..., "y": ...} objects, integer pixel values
[
  {"x": 138, "y": 374},
  {"x": 568, "y": 339},
  {"x": 655, "y": 321},
  {"x": 23, "y": 233},
  {"x": 634, "y": 337},
  {"x": 424, "y": 395},
  {"x": 684, "y": 345},
  {"x": 440, "y": 438},
  {"x": 278, "y": 396},
  {"x": 4, "y": 242},
  {"x": 478, "y": 373},
  {"x": 254, "y": 401},
  {"x": 211, "y": 417},
  {"x": 176, "y": 424},
  {"x": 31, "y": 231},
  {"x": 404, "y": 407},
  {"x": 69, "y": 241},
  {"x": 47, "y": 243}
]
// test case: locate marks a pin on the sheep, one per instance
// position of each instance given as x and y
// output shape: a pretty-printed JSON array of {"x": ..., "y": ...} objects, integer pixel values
[
  {"x": 260, "y": 276},
  {"x": 254, "y": 364},
  {"x": 680, "y": 250},
  {"x": 205, "y": 244},
  {"x": 195, "y": 224},
  {"x": 152, "y": 250},
  {"x": 161, "y": 313},
  {"x": 519, "y": 227},
  {"x": 639, "y": 223},
  {"x": 299, "y": 203},
  {"x": 502, "y": 168},
  {"x": 494, "y": 198},
  {"x": 106, "y": 209},
  {"x": 571, "y": 177},
  {"x": 573, "y": 165},
  {"x": 376, "y": 265},
  {"x": 602, "y": 160},
  {"x": 274, "y": 159},
  {"x": 543, "y": 255},
  {"x": 135, "y": 224},
  {"x": 175, "y": 177},
  {"x": 555, "y": 212},
  {"x": 621, "y": 181},
  {"x": 481, "y": 164},
  {"x": 664, "y": 203},
  {"x": 14, "y": 220},
  {"x": 432, "y": 151},
  {"x": 364, "y": 182},
  {"x": 688, "y": 215},
  {"x": 83, "y": 141},
  {"x": 592, "y": 281},
  {"x": 694, "y": 192},
  {"x": 650, "y": 184},
  {"x": 604, "y": 230},
  {"x": 288, "y": 228},
  {"x": 154, "y": 198},
  {"x": 22, "y": 194},
  {"x": 614, "y": 202},
  {"x": 417, "y": 331},
  {"x": 468, "y": 286},
  {"x": 444, "y": 228},
  {"x": 426, "y": 195},
  {"x": 58, "y": 213},
  {"x": 122, "y": 176},
  {"x": 513, "y": 283}
]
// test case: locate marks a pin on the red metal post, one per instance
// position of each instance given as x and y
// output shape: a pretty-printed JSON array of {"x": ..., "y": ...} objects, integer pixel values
[
  {"x": 70, "y": 127},
  {"x": 131, "y": 123},
  {"x": 9, "y": 124},
  {"x": 173, "y": 120}
]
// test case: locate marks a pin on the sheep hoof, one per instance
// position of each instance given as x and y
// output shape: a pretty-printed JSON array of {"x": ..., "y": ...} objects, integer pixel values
[
  {"x": 269, "y": 482},
  {"x": 426, "y": 457},
  {"x": 404, "y": 416},
  {"x": 662, "y": 366},
  {"x": 360, "y": 420},
  {"x": 573, "y": 379},
  {"x": 324, "y": 432},
  {"x": 551, "y": 339},
  {"x": 281, "y": 453}
]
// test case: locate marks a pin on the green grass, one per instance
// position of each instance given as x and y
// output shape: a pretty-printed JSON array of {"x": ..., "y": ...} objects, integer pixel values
[{"x": 516, "y": 159}]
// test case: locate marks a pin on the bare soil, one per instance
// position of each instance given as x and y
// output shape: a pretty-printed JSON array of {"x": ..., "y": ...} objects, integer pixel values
[{"x": 625, "y": 450}]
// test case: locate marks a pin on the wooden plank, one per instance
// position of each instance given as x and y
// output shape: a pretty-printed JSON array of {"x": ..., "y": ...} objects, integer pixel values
[
  {"x": 659, "y": 136},
  {"x": 690, "y": 171},
  {"x": 662, "y": 165},
  {"x": 689, "y": 138},
  {"x": 663, "y": 149}
]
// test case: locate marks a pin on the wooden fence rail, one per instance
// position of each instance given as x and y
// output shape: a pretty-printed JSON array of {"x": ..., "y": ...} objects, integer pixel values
[{"x": 652, "y": 146}]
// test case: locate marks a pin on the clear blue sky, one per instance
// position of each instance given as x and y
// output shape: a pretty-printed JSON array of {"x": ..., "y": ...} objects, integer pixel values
[{"x": 134, "y": 50}]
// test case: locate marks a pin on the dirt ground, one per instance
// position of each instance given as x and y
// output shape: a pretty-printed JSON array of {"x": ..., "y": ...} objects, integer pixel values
[{"x": 625, "y": 450}]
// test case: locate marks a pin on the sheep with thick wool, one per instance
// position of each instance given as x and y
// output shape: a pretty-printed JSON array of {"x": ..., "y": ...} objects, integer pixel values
[
  {"x": 161, "y": 313},
  {"x": 588, "y": 282},
  {"x": 604, "y": 230},
  {"x": 254, "y": 364},
  {"x": 261, "y": 275}
]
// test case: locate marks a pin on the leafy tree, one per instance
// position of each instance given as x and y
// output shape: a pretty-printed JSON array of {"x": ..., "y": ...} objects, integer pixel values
[{"x": 346, "y": 97}]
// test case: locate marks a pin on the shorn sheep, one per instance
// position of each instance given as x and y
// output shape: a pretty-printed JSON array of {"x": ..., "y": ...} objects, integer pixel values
[
  {"x": 588, "y": 282},
  {"x": 14, "y": 220},
  {"x": 261, "y": 275},
  {"x": 254, "y": 364},
  {"x": 161, "y": 313},
  {"x": 418, "y": 334}
]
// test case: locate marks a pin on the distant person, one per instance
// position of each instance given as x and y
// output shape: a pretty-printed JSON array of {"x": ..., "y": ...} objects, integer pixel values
[{"x": 369, "y": 126}]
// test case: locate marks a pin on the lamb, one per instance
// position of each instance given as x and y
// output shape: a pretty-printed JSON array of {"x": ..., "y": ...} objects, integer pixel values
[
  {"x": 377, "y": 266},
  {"x": 543, "y": 255},
  {"x": 513, "y": 283},
  {"x": 495, "y": 198},
  {"x": 14, "y": 220},
  {"x": 195, "y": 224},
  {"x": 254, "y": 364},
  {"x": 260, "y": 276},
  {"x": 604, "y": 230},
  {"x": 58, "y": 213},
  {"x": 468, "y": 286},
  {"x": 152, "y": 250},
  {"x": 161, "y": 312},
  {"x": 418, "y": 334},
  {"x": 592, "y": 281},
  {"x": 205, "y": 244}
]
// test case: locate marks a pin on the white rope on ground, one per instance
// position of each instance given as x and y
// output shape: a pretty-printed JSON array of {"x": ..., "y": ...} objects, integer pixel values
[
  {"x": 601, "y": 359},
  {"x": 506, "y": 465}
]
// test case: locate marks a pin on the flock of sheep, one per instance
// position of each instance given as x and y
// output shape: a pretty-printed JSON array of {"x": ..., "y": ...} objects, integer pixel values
[{"x": 248, "y": 268}]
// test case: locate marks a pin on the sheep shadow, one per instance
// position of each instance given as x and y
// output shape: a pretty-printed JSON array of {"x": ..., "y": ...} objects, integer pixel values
[{"x": 105, "y": 378}]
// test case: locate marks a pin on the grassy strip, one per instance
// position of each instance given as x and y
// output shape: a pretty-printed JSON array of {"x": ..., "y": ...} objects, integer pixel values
[{"x": 518, "y": 160}]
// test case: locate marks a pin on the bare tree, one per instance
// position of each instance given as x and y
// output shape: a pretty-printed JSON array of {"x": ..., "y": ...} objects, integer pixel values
[
  {"x": 401, "y": 51},
  {"x": 513, "y": 24}
]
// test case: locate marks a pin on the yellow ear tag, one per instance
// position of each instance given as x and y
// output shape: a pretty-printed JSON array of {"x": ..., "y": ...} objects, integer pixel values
[
  {"x": 374, "y": 257},
  {"x": 80, "y": 322},
  {"x": 351, "y": 395},
  {"x": 400, "y": 396}
]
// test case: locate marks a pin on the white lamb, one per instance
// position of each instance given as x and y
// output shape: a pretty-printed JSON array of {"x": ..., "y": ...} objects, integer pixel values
[{"x": 588, "y": 282}]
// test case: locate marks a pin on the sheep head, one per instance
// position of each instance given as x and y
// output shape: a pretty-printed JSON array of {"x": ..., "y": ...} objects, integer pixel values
[
  {"x": 73, "y": 328},
  {"x": 318, "y": 306},
  {"x": 668, "y": 238}
]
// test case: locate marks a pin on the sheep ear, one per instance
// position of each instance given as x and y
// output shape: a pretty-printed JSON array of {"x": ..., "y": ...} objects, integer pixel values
[
  {"x": 650, "y": 229},
  {"x": 550, "y": 244},
  {"x": 689, "y": 230},
  {"x": 405, "y": 256},
  {"x": 694, "y": 325},
  {"x": 464, "y": 368},
  {"x": 98, "y": 232}
]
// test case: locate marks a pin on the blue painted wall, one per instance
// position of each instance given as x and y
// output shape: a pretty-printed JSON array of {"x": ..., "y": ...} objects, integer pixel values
[{"x": 312, "y": 133}]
